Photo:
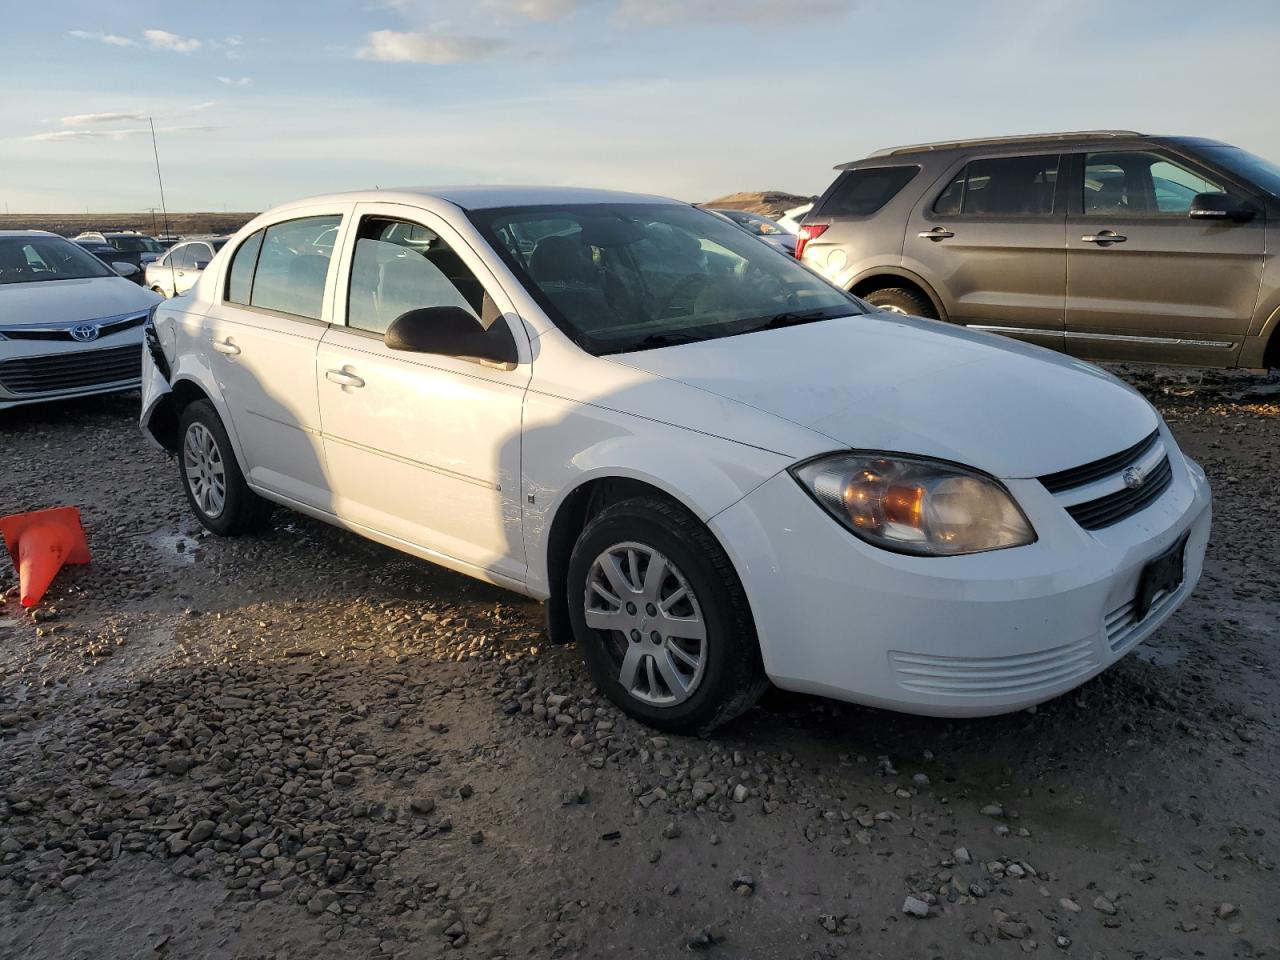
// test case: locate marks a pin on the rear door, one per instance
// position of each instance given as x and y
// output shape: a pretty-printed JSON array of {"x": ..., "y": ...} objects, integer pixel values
[
  {"x": 992, "y": 244},
  {"x": 264, "y": 332},
  {"x": 421, "y": 447},
  {"x": 1144, "y": 280}
]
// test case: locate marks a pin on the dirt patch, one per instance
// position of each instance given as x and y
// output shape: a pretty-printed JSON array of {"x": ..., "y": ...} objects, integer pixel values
[{"x": 304, "y": 744}]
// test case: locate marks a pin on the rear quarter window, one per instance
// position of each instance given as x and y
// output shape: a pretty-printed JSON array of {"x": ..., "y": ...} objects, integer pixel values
[{"x": 862, "y": 192}]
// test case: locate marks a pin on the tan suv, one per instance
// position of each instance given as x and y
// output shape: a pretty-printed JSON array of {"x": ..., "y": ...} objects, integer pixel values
[{"x": 1110, "y": 245}]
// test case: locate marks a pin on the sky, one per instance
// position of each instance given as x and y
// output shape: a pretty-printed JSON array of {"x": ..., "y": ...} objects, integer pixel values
[{"x": 256, "y": 102}]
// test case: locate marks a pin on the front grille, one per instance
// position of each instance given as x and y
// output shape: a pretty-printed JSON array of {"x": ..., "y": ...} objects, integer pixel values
[
  {"x": 105, "y": 329},
  {"x": 1098, "y": 469},
  {"x": 1122, "y": 623},
  {"x": 71, "y": 371},
  {"x": 994, "y": 676},
  {"x": 1124, "y": 503}
]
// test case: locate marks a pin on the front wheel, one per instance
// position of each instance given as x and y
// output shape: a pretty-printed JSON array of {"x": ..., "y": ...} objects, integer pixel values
[
  {"x": 211, "y": 477},
  {"x": 903, "y": 301},
  {"x": 662, "y": 619}
]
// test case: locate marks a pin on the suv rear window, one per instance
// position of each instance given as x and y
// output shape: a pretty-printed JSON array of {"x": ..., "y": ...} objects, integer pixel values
[
  {"x": 1002, "y": 187},
  {"x": 861, "y": 192}
]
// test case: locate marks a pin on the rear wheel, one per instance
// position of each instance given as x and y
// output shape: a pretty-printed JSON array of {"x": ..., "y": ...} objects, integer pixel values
[
  {"x": 216, "y": 489},
  {"x": 902, "y": 300},
  {"x": 662, "y": 618}
]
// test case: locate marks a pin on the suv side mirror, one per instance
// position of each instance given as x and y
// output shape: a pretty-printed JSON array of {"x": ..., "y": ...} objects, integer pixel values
[
  {"x": 1220, "y": 206},
  {"x": 451, "y": 332},
  {"x": 123, "y": 268}
]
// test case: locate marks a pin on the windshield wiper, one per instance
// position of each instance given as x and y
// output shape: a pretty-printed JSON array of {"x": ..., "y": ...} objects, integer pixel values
[
  {"x": 655, "y": 340},
  {"x": 791, "y": 318}
]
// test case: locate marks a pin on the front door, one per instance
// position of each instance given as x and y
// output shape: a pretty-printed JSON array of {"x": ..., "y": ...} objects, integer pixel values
[
  {"x": 1144, "y": 280},
  {"x": 421, "y": 447},
  {"x": 992, "y": 245},
  {"x": 263, "y": 336}
]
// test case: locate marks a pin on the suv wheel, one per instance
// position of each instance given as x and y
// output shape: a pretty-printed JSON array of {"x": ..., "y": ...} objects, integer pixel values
[
  {"x": 215, "y": 487},
  {"x": 902, "y": 300},
  {"x": 662, "y": 619}
]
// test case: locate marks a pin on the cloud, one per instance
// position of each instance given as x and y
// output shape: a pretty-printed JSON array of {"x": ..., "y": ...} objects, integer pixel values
[
  {"x": 439, "y": 49},
  {"x": 108, "y": 38},
  {"x": 117, "y": 133},
  {"x": 655, "y": 13},
  {"x": 235, "y": 81},
  {"x": 80, "y": 119},
  {"x": 164, "y": 40},
  {"x": 538, "y": 9}
]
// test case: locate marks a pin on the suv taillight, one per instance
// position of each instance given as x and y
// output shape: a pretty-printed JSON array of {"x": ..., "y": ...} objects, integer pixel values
[{"x": 809, "y": 231}]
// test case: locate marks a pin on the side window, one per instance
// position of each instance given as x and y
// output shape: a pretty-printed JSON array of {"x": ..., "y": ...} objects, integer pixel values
[
  {"x": 1140, "y": 185},
  {"x": 400, "y": 266},
  {"x": 1002, "y": 187},
  {"x": 861, "y": 193},
  {"x": 182, "y": 258},
  {"x": 240, "y": 278},
  {"x": 200, "y": 256},
  {"x": 293, "y": 264}
]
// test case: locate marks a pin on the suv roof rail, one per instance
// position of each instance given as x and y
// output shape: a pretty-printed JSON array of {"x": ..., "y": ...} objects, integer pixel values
[{"x": 999, "y": 141}]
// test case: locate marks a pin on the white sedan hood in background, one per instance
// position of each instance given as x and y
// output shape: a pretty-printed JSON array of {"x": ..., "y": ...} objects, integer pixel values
[
  {"x": 920, "y": 387},
  {"x": 69, "y": 301}
]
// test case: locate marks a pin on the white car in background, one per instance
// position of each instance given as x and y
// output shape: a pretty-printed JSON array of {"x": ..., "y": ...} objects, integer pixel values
[
  {"x": 69, "y": 326},
  {"x": 178, "y": 270},
  {"x": 791, "y": 219},
  {"x": 716, "y": 468}
]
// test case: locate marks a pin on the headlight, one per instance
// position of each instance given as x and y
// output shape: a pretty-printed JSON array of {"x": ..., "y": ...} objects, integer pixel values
[{"x": 912, "y": 505}]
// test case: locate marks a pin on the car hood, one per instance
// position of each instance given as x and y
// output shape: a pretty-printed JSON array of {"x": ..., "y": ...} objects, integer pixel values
[
  {"x": 66, "y": 301},
  {"x": 905, "y": 385}
]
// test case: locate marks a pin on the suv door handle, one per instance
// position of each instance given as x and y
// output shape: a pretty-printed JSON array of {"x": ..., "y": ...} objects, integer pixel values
[
  {"x": 342, "y": 378},
  {"x": 1103, "y": 237},
  {"x": 226, "y": 346},
  {"x": 937, "y": 233}
]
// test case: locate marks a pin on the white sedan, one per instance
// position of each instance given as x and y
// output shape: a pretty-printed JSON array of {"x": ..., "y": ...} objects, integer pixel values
[
  {"x": 69, "y": 326},
  {"x": 178, "y": 270},
  {"x": 717, "y": 469}
]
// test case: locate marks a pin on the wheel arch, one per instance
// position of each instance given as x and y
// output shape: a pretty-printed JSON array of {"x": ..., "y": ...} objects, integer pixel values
[{"x": 880, "y": 278}]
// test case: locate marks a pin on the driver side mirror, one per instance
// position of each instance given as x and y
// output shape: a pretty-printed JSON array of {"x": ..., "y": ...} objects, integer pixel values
[
  {"x": 1220, "y": 206},
  {"x": 452, "y": 332},
  {"x": 201, "y": 264},
  {"x": 124, "y": 269}
]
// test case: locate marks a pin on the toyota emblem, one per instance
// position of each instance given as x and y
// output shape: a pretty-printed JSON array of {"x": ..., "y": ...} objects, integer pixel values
[
  {"x": 85, "y": 333},
  {"x": 1134, "y": 478}
]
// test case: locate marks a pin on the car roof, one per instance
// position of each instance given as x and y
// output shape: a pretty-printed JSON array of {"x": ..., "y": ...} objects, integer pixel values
[
  {"x": 28, "y": 233},
  {"x": 484, "y": 197},
  {"x": 1023, "y": 140}
]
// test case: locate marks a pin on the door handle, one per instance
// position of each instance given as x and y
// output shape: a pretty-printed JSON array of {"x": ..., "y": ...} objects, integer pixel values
[
  {"x": 1103, "y": 237},
  {"x": 343, "y": 378},
  {"x": 937, "y": 233},
  {"x": 227, "y": 347}
]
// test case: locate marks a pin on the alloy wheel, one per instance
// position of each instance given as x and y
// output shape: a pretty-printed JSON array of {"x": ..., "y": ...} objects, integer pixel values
[
  {"x": 658, "y": 637},
  {"x": 205, "y": 470}
]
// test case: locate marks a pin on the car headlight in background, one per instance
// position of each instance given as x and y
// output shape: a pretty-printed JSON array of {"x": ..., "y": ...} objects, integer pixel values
[{"x": 913, "y": 505}]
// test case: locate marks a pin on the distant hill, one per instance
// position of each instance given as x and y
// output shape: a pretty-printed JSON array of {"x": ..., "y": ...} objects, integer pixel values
[
  {"x": 772, "y": 203},
  {"x": 71, "y": 224}
]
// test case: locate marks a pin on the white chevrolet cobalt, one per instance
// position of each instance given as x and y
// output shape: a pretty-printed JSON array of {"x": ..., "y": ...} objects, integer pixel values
[{"x": 716, "y": 468}]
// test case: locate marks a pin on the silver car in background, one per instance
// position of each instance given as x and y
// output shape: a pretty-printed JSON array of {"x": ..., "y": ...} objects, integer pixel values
[{"x": 178, "y": 270}]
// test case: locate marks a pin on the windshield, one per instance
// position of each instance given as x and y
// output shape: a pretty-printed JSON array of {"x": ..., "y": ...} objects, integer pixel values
[
  {"x": 1247, "y": 166},
  {"x": 135, "y": 244},
  {"x": 754, "y": 223},
  {"x": 620, "y": 277},
  {"x": 29, "y": 259}
]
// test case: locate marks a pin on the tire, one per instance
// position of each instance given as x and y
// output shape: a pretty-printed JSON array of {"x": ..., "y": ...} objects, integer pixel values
[
  {"x": 160, "y": 290},
  {"x": 902, "y": 300},
  {"x": 653, "y": 678},
  {"x": 205, "y": 457}
]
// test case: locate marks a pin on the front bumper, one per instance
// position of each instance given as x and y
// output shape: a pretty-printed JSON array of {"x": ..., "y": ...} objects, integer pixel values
[
  {"x": 36, "y": 371},
  {"x": 957, "y": 636}
]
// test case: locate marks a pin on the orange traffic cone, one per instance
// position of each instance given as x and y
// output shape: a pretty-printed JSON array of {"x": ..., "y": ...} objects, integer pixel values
[{"x": 39, "y": 544}]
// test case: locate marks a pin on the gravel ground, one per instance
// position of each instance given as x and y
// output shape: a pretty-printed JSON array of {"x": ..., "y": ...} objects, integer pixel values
[{"x": 305, "y": 745}]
